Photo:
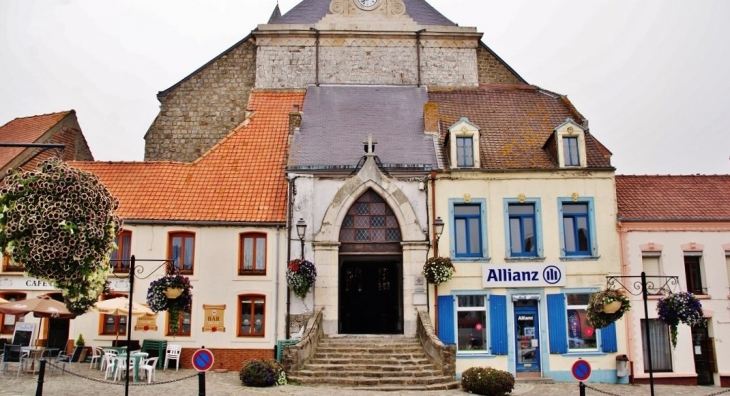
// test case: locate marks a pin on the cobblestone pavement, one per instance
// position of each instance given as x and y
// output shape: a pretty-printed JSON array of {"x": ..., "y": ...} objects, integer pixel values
[{"x": 228, "y": 384}]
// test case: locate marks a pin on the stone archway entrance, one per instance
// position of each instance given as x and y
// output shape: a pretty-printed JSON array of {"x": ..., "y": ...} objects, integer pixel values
[{"x": 370, "y": 269}]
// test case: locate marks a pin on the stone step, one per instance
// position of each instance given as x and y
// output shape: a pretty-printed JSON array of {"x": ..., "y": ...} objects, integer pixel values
[
  {"x": 366, "y": 381},
  {"x": 535, "y": 380},
  {"x": 398, "y": 388},
  {"x": 370, "y": 348},
  {"x": 395, "y": 357},
  {"x": 369, "y": 360},
  {"x": 369, "y": 367},
  {"x": 400, "y": 375},
  {"x": 375, "y": 340}
]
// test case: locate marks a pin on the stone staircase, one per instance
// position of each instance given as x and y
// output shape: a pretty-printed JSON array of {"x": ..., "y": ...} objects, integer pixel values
[{"x": 373, "y": 363}]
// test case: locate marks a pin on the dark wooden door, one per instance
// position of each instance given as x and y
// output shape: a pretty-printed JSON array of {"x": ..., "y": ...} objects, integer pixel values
[
  {"x": 370, "y": 297},
  {"x": 703, "y": 349}
]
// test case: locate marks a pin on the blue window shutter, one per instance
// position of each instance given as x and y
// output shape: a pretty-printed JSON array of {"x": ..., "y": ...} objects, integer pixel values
[
  {"x": 446, "y": 320},
  {"x": 498, "y": 324},
  {"x": 558, "y": 323},
  {"x": 608, "y": 338}
]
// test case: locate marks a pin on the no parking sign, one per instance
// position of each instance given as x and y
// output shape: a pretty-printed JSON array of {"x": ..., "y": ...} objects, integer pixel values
[
  {"x": 203, "y": 359},
  {"x": 581, "y": 370}
]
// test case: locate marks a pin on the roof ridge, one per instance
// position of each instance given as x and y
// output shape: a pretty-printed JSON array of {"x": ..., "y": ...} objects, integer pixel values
[{"x": 65, "y": 112}]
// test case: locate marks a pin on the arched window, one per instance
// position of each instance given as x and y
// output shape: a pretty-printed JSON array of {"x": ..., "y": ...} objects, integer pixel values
[
  {"x": 112, "y": 324},
  {"x": 122, "y": 255},
  {"x": 252, "y": 254},
  {"x": 181, "y": 250},
  {"x": 370, "y": 225},
  {"x": 251, "y": 315}
]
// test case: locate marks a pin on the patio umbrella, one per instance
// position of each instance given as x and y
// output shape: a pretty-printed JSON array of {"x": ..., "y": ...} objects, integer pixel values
[
  {"x": 41, "y": 306},
  {"x": 119, "y": 306}
]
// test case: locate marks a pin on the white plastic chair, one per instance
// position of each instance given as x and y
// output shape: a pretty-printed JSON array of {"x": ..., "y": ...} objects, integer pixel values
[
  {"x": 148, "y": 368},
  {"x": 173, "y": 353},
  {"x": 97, "y": 354},
  {"x": 123, "y": 368},
  {"x": 107, "y": 359}
]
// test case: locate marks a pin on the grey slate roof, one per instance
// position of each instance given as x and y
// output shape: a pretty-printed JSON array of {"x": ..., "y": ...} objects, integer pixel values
[
  {"x": 312, "y": 11},
  {"x": 337, "y": 118}
]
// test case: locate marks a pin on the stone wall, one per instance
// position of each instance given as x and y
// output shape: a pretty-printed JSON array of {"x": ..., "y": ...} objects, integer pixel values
[
  {"x": 203, "y": 108},
  {"x": 492, "y": 71},
  {"x": 354, "y": 60}
]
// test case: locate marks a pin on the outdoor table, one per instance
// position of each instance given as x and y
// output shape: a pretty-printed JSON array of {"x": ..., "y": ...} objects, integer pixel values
[
  {"x": 35, "y": 354},
  {"x": 137, "y": 357},
  {"x": 118, "y": 349}
]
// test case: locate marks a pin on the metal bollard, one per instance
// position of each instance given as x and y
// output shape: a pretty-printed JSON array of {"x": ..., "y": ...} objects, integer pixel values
[
  {"x": 201, "y": 383},
  {"x": 41, "y": 374},
  {"x": 582, "y": 389}
]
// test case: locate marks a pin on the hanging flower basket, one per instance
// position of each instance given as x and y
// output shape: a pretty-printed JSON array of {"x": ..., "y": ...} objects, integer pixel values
[
  {"x": 606, "y": 307},
  {"x": 59, "y": 222},
  {"x": 682, "y": 307},
  {"x": 300, "y": 276},
  {"x": 438, "y": 270},
  {"x": 158, "y": 300}
]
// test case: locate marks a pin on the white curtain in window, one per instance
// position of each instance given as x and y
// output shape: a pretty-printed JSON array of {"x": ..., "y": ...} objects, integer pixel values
[{"x": 661, "y": 348}]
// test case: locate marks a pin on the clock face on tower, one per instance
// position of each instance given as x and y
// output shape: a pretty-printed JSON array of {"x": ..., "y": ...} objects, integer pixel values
[{"x": 367, "y": 3}]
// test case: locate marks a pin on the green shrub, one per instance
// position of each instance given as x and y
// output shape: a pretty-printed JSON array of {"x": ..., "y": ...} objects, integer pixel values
[
  {"x": 487, "y": 381},
  {"x": 262, "y": 373}
]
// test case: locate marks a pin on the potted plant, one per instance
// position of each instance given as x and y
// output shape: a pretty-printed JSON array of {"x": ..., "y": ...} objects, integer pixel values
[
  {"x": 59, "y": 222},
  {"x": 606, "y": 307},
  {"x": 300, "y": 276},
  {"x": 682, "y": 307},
  {"x": 81, "y": 343},
  {"x": 158, "y": 300},
  {"x": 438, "y": 270}
]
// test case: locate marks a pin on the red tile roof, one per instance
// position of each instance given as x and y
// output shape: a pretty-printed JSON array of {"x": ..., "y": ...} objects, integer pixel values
[
  {"x": 673, "y": 198},
  {"x": 515, "y": 122},
  {"x": 241, "y": 179},
  {"x": 26, "y": 130}
]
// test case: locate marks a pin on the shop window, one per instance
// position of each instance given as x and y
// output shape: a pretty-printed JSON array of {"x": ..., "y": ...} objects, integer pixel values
[
  {"x": 581, "y": 335},
  {"x": 471, "y": 323},
  {"x": 523, "y": 228},
  {"x": 661, "y": 347},
  {"x": 122, "y": 255},
  {"x": 8, "y": 321},
  {"x": 577, "y": 228},
  {"x": 469, "y": 229},
  {"x": 693, "y": 272},
  {"x": 251, "y": 315},
  {"x": 253, "y": 254},
  {"x": 182, "y": 251}
]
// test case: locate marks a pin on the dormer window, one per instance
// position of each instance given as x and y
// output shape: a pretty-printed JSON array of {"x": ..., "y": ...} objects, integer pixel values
[
  {"x": 464, "y": 151},
  {"x": 464, "y": 144},
  {"x": 570, "y": 140}
]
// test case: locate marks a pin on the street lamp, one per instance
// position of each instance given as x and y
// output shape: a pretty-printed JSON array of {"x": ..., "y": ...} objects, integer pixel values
[
  {"x": 644, "y": 285},
  {"x": 438, "y": 229},
  {"x": 301, "y": 230}
]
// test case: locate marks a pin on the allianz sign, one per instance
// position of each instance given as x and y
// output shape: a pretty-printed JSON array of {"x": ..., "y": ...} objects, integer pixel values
[{"x": 523, "y": 275}]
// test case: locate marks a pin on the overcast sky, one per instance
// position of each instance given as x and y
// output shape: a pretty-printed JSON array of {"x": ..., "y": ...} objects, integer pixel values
[{"x": 652, "y": 76}]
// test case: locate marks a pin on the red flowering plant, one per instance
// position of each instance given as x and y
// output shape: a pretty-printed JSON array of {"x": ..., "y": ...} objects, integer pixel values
[{"x": 300, "y": 276}]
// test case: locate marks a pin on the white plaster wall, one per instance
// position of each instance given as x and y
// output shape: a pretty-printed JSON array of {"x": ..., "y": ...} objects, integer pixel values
[
  {"x": 215, "y": 281},
  {"x": 671, "y": 237}
]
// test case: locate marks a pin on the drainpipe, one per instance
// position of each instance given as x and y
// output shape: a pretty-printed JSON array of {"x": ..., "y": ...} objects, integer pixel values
[
  {"x": 276, "y": 284},
  {"x": 625, "y": 272},
  {"x": 428, "y": 238},
  {"x": 435, "y": 253},
  {"x": 418, "y": 53},
  {"x": 289, "y": 209},
  {"x": 316, "y": 56}
]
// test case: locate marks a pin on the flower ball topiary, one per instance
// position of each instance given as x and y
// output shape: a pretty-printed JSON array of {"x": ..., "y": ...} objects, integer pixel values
[
  {"x": 262, "y": 373},
  {"x": 487, "y": 381},
  {"x": 59, "y": 222}
]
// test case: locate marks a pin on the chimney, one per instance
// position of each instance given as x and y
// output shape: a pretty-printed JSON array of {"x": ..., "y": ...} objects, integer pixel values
[
  {"x": 295, "y": 119},
  {"x": 431, "y": 117}
]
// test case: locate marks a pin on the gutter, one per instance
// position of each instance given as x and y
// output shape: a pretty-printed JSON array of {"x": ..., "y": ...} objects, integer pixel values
[{"x": 205, "y": 223}]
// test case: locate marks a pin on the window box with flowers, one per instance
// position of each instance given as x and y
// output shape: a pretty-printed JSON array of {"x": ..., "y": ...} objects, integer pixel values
[
  {"x": 59, "y": 222},
  {"x": 682, "y": 307},
  {"x": 438, "y": 270},
  {"x": 606, "y": 307},
  {"x": 300, "y": 276},
  {"x": 171, "y": 293}
]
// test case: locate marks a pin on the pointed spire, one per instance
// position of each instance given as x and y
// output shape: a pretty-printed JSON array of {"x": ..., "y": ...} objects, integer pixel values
[{"x": 276, "y": 14}]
